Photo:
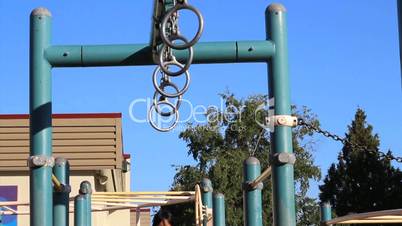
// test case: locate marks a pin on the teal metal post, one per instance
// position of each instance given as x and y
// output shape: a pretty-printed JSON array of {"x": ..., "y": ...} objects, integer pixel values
[
  {"x": 86, "y": 191},
  {"x": 219, "y": 210},
  {"x": 281, "y": 138},
  {"x": 80, "y": 218},
  {"x": 61, "y": 198},
  {"x": 252, "y": 201},
  {"x": 206, "y": 196},
  {"x": 40, "y": 106},
  {"x": 326, "y": 212}
]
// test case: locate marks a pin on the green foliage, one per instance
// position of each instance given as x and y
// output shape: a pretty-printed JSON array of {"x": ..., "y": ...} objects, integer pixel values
[
  {"x": 360, "y": 182},
  {"x": 308, "y": 211},
  {"x": 222, "y": 144}
]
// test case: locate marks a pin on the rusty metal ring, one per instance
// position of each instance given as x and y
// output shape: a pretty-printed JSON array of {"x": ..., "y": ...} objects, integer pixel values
[
  {"x": 166, "y": 94},
  {"x": 153, "y": 123},
  {"x": 164, "y": 65},
  {"x": 164, "y": 35},
  {"x": 155, "y": 100}
]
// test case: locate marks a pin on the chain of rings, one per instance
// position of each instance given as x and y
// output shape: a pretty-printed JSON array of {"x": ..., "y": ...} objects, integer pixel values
[
  {"x": 380, "y": 154},
  {"x": 161, "y": 77}
]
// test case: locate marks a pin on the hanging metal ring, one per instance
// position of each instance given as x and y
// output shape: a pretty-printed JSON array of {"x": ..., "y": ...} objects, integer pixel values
[
  {"x": 164, "y": 93},
  {"x": 150, "y": 118},
  {"x": 155, "y": 100},
  {"x": 164, "y": 64},
  {"x": 164, "y": 35}
]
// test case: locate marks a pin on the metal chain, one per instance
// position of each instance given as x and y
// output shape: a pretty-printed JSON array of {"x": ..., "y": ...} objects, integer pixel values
[
  {"x": 169, "y": 32},
  {"x": 380, "y": 154},
  {"x": 260, "y": 134}
]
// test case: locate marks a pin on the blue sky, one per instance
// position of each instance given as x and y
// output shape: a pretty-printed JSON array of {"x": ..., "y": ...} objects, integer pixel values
[{"x": 343, "y": 54}]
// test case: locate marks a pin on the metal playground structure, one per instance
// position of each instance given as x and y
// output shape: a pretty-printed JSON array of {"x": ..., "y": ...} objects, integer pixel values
[{"x": 169, "y": 50}]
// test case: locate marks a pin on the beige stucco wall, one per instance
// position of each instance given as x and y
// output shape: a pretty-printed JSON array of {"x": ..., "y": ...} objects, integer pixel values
[
  {"x": 112, "y": 218},
  {"x": 22, "y": 182}
]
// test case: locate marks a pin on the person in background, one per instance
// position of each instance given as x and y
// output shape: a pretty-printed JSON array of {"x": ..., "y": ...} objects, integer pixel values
[{"x": 162, "y": 218}]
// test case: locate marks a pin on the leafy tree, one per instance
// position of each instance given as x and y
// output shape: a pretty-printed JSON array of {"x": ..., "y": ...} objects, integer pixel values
[
  {"x": 360, "y": 181},
  {"x": 219, "y": 148}
]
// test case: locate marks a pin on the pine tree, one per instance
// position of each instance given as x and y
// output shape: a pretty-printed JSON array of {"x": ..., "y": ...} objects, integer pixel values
[{"x": 360, "y": 181}]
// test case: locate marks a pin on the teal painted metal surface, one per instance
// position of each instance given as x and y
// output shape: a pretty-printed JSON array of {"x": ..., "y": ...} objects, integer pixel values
[
  {"x": 1, "y": 216},
  {"x": 86, "y": 191},
  {"x": 252, "y": 200},
  {"x": 42, "y": 56},
  {"x": 80, "y": 218},
  {"x": 206, "y": 195},
  {"x": 40, "y": 118},
  {"x": 61, "y": 208},
  {"x": 281, "y": 138},
  {"x": 219, "y": 210},
  {"x": 141, "y": 54},
  {"x": 326, "y": 212}
]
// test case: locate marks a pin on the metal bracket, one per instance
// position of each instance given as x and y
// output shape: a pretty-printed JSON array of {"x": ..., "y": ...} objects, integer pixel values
[
  {"x": 155, "y": 34},
  {"x": 39, "y": 161},
  {"x": 160, "y": 9},
  {"x": 206, "y": 189},
  {"x": 248, "y": 187},
  {"x": 85, "y": 188},
  {"x": 284, "y": 158},
  {"x": 65, "y": 188},
  {"x": 281, "y": 120},
  {"x": 84, "y": 191}
]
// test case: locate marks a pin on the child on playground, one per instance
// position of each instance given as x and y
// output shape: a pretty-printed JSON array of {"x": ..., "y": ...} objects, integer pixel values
[{"x": 162, "y": 218}]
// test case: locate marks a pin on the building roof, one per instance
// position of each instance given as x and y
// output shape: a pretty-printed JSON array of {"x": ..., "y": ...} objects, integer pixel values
[{"x": 88, "y": 141}]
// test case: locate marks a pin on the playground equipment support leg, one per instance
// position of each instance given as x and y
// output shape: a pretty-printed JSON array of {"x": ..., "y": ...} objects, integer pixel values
[
  {"x": 219, "y": 210},
  {"x": 281, "y": 138},
  {"x": 61, "y": 198},
  {"x": 79, "y": 211},
  {"x": 325, "y": 212},
  {"x": 252, "y": 195},
  {"x": 206, "y": 196},
  {"x": 86, "y": 191},
  {"x": 40, "y": 120}
]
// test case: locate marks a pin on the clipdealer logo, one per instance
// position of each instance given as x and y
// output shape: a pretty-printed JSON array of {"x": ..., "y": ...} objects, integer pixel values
[{"x": 201, "y": 114}]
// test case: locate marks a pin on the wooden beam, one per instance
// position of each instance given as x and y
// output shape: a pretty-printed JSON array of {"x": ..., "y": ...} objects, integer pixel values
[
  {"x": 146, "y": 193},
  {"x": 360, "y": 216},
  {"x": 144, "y": 197}
]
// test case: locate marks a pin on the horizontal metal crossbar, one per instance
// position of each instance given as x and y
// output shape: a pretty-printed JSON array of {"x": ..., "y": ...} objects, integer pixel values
[
  {"x": 369, "y": 217},
  {"x": 264, "y": 175},
  {"x": 141, "y": 54}
]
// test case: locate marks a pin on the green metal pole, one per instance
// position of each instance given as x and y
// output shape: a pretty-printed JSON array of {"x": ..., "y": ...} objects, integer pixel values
[
  {"x": 206, "y": 196},
  {"x": 252, "y": 200},
  {"x": 326, "y": 213},
  {"x": 1, "y": 216},
  {"x": 141, "y": 54},
  {"x": 40, "y": 160},
  {"x": 61, "y": 198},
  {"x": 281, "y": 138},
  {"x": 86, "y": 191},
  {"x": 79, "y": 211},
  {"x": 219, "y": 210}
]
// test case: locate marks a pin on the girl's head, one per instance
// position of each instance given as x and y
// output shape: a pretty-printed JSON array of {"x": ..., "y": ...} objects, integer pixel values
[{"x": 162, "y": 218}]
